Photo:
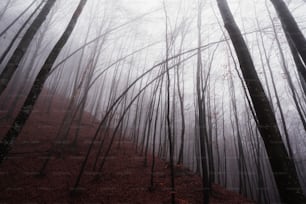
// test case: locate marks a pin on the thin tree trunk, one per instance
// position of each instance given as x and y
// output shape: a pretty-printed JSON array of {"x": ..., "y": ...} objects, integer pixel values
[
  {"x": 201, "y": 115},
  {"x": 5, "y": 8},
  {"x": 168, "y": 122},
  {"x": 154, "y": 136},
  {"x": 288, "y": 78}
]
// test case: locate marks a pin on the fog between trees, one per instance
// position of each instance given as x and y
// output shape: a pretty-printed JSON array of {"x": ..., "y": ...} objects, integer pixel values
[{"x": 216, "y": 86}]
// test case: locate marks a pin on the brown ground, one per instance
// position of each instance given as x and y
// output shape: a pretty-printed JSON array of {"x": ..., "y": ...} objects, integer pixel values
[{"x": 124, "y": 179}]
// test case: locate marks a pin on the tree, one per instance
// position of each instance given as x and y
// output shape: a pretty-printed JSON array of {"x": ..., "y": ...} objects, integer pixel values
[
  {"x": 42, "y": 76},
  {"x": 201, "y": 86},
  {"x": 4, "y": 54},
  {"x": 16, "y": 19},
  {"x": 291, "y": 27},
  {"x": 283, "y": 168},
  {"x": 168, "y": 122},
  {"x": 180, "y": 90},
  {"x": 6, "y": 6},
  {"x": 23, "y": 46}
]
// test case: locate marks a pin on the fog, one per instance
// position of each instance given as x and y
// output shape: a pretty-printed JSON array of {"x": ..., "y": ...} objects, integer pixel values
[{"x": 123, "y": 44}]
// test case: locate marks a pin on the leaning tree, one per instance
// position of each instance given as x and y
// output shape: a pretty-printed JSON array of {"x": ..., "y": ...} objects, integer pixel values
[
  {"x": 36, "y": 89},
  {"x": 283, "y": 167}
]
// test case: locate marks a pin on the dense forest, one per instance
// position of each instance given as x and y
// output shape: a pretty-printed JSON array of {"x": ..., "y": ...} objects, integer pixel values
[{"x": 214, "y": 86}]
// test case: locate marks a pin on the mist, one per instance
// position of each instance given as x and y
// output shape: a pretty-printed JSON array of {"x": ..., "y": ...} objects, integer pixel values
[{"x": 216, "y": 88}]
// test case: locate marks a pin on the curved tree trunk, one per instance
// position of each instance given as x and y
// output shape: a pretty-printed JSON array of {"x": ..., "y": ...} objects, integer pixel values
[{"x": 2, "y": 12}]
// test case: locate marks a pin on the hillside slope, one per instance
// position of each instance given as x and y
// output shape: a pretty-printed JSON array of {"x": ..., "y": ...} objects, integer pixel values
[{"x": 124, "y": 179}]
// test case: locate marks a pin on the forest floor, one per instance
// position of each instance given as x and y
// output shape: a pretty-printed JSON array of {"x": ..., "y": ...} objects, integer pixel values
[{"x": 124, "y": 179}]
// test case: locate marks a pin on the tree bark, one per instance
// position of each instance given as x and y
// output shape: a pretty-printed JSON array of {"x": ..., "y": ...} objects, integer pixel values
[
  {"x": 283, "y": 168},
  {"x": 23, "y": 45},
  {"x": 291, "y": 27},
  {"x": 42, "y": 76},
  {"x": 8, "y": 48},
  {"x": 203, "y": 135},
  {"x": 16, "y": 19}
]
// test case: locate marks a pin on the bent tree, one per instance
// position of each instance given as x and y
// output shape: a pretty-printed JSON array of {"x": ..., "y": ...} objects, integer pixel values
[
  {"x": 283, "y": 167},
  {"x": 42, "y": 76}
]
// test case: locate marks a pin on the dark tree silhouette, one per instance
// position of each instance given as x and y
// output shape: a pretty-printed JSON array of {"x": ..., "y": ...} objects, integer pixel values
[
  {"x": 201, "y": 86},
  {"x": 283, "y": 168},
  {"x": 23, "y": 46},
  {"x": 4, "y": 54},
  {"x": 291, "y": 27},
  {"x": 16, "y": 19},
  {"x": 42, "y": 76}
]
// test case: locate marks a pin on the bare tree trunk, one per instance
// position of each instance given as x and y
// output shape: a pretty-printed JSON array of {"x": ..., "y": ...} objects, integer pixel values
[
  {"x": 30, "y": 101},
  {"x": 24, "y": 81},
  {"x": 288, "y": 78},
  {"x": 224, "y": 144},
  {"x": 154, "y": 135},
  {"x": 284, "y": 170},
  {"x": 23, "y": 46},
  {"x": 6, "y": 51},
  {"x": 277, "y": 97},
  {"x": 216, "y": 128},
  {"x": 181, "y": 100},
  {"x": 17, "y": 18},
  {"x": 168, "y": 122},
  {"x": 291, "y": 28},
  {"x": 150, "y": 118},
  {"x": 114, "y": 106},
  {"x": 203, "y": 136},
  {"x": 8, "y": 2}
]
